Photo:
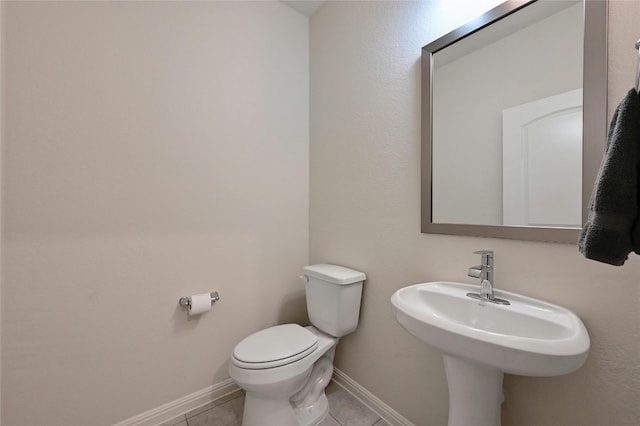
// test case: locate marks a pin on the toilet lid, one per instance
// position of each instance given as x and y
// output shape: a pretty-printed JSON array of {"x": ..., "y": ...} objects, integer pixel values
[{"x": 274, "y": 346}]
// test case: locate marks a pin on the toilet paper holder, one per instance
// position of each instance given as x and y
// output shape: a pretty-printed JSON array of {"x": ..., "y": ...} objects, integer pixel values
[{"x": 186, "y": 300}]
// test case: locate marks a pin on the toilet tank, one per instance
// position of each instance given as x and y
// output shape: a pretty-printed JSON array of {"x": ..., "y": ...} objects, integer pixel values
[{"x": 333, "y": 298}]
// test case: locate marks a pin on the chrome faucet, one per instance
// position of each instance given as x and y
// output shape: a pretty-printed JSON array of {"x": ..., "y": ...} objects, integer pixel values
[{"x": 484, "y": 271}]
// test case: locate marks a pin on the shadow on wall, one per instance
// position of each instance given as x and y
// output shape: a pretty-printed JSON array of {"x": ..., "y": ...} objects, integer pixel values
[{"x": 293, "y": 309}]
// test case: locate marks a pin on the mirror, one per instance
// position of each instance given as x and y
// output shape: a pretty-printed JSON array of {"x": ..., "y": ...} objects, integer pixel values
[{"x": 514, "y": 121}]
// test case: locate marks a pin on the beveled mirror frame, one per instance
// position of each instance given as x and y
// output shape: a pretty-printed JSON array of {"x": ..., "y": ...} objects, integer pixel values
[{"x": 594, "y": 122}]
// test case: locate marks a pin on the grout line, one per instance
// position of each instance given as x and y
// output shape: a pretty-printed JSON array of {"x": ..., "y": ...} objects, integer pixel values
[{"x": 336, "y": 420}]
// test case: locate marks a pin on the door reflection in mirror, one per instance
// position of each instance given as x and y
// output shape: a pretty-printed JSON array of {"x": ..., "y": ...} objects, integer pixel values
[{"x": 531, "y": 55}]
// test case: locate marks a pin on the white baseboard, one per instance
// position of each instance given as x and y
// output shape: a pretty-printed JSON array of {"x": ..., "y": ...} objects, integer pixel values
[
  {"x": 374, "y": 403},
  {"x": 182, "y": 405}
]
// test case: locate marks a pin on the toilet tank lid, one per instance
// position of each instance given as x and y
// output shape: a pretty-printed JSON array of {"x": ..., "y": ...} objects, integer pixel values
[{"x": 334, "y": 274}]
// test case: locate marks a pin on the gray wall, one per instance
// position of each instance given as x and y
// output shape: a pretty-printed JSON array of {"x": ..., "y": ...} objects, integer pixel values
[
  {"x": 152, "y": 150},
  {"x": 365, "y": 213}
]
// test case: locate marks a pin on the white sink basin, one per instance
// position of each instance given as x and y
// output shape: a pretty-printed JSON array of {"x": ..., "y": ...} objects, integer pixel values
[{"x": 528, "y": 337}]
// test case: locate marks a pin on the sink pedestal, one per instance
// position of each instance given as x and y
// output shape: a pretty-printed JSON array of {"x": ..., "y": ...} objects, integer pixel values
[{"x": 475, "y": 393}]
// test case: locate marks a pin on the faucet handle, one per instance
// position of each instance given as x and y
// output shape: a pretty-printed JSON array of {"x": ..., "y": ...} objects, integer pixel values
[
  {"x": 483, "y": 252},
  {"x": 487, "y": 256}
]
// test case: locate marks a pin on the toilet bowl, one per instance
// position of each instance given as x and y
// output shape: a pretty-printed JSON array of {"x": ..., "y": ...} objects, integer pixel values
[
  {"x": 284, "y": 380},
  {"x": 284, "y": 369}
]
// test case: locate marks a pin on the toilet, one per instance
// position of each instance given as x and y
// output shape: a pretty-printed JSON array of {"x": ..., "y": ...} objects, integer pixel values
[{"x": 285, "y": 369}]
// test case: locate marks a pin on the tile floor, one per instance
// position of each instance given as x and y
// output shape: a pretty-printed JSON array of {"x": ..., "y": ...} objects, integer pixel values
[{"x": 344, "y": 410}]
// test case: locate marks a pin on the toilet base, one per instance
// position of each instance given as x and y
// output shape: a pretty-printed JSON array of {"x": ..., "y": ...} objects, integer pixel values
[
  {"x": 308, "y": 407},
  {"x": 314, "y": 415},
  {"x": 311, "y": 404},
  {"x": 260, "y": 412}
]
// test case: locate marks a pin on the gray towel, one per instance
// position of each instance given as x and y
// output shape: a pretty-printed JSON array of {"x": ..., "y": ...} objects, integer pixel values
[{"x": 612, "y": 230}]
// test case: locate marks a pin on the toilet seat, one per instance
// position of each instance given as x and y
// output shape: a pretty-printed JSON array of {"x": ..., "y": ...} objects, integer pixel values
[{"x": 274, "y": 347}]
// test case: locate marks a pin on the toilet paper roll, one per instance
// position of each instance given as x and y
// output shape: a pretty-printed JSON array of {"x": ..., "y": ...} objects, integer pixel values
[{"x": 200, "y": 303}]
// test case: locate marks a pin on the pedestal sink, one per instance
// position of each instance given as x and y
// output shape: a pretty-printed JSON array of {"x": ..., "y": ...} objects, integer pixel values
[{"x": 481, "y": 341}]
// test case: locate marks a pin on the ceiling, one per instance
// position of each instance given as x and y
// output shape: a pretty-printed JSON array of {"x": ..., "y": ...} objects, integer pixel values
[{"x": 305, "y": 7}]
